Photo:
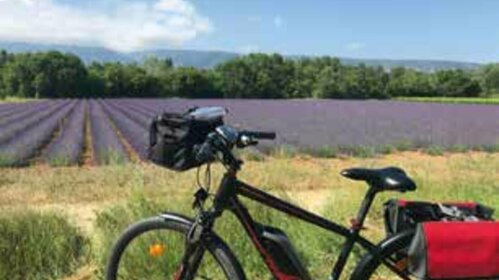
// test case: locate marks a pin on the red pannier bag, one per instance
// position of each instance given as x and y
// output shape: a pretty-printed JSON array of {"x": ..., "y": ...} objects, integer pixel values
[
  {"x": 455, "y": 250},
  {"x": 401, "y": 215}
]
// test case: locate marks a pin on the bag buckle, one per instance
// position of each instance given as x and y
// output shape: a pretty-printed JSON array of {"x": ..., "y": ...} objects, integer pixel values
[
  {"x": 455, "y": 213},
  {"x": 199, "y": 198}
]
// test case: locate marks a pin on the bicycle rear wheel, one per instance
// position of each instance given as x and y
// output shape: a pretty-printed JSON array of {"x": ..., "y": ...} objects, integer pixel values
[
  {"x": 394, "y": 252},
  {"x": 153, "y": 249}
]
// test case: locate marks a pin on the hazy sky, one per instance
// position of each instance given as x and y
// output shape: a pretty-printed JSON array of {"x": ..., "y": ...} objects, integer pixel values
[{"x": 465, "y": 30}]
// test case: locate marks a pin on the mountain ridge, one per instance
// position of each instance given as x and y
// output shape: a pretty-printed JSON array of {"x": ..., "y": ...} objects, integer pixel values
[{"x": 209, "y": 59}]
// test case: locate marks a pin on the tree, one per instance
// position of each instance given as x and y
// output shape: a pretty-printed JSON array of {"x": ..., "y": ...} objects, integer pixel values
[
  {"x": 45, "y": 75},
  {"x": 490, "y": 78},
  {"x": 157, "y": 67},
  {"x": 328, "y": 84},
  {"x": 4, "y": 58},
  {"x": 304, "y": 78},
  {"x": 18, "y": 76},
  {"x": 236, "y": 79},
  {"x": 407, "y": 82},
  {"x": 456, "y": 83},
  {"x": 3, "y": 61},
  {"x": 192, "y": 83},
  {"x": 58, "y": 75},
  {"x": 256, "y": 76},
  {"x": 95, "y": 85}
]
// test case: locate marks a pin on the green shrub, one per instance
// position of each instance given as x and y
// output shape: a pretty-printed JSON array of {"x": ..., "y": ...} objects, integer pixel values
[
  {"x": 112, "y": 157},
  {"x": 284, "y": 151},
  {"x": 434, "y": 150},
  {"x": 322, "y": 152},
  {"x": 403, "y": 145},
  {"x": 458, "y": 148},
  {"x": 358, "y": 151},
  {"x": 59, "y": 160},
  {"x": 386, "y": 149},
  {"x": 38, "y": 246},
  {"x": 7, "y": 160},
  {"x": 494, "y": 148},
  {"x": 454, "y": 100}
]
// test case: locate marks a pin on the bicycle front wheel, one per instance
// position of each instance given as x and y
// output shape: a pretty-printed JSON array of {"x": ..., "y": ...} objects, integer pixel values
[{"x": 154, "y": 248}]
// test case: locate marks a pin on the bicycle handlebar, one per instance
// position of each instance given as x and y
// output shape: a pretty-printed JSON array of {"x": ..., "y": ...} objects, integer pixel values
[
  {"x": 263, "y": 135},
  {"x": 224, "y": 139}
]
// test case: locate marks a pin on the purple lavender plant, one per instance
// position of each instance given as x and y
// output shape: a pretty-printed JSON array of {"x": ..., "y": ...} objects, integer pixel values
[
  {"x": 28, "y": 143},
  {"x": 107, "y": 147},
  {"x": 135, "y": 134},
  {"x": 67, "y": 147},
  {"x": 31, "y": 117}
]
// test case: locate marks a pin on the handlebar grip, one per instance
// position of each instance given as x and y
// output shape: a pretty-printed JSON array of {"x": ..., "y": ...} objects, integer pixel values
[{"x": 260, "y": 134}]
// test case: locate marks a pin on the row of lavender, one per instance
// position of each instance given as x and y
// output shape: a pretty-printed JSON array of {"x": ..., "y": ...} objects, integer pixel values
[
  {"x": 55, "y": 132},
  {"x": 348, "y": 125},
  {"x": 101, "y": 131}
]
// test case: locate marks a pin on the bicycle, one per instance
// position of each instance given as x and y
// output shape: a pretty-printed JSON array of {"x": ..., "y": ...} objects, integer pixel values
[{"x": 273, "y": 245}]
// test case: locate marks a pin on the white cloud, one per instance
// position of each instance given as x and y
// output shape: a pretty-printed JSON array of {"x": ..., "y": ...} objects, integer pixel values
[
  {"x": 278, "y": 21},
  {"x": 129, "y": 26},
  {"x": 354, "y": 46}
]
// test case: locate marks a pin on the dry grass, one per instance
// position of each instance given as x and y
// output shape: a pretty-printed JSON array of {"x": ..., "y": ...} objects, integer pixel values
[
  {"x": 82, "y": 192},
  {"x": 305, "y": 179}
]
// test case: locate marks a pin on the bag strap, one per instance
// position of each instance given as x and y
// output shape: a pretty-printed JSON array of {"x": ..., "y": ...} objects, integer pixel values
[
  {"x": 174, "y": 120},
  {"x": 153, "y": 131}
]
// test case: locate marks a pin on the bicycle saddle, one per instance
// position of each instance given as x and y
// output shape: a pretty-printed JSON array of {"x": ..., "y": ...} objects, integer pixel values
[{"x": 390, "y": 178}]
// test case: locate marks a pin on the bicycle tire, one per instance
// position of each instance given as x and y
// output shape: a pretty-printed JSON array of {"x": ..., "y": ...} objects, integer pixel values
[
  {"x": 395, "y": 247},
  {"x": 173, "y": 222}
]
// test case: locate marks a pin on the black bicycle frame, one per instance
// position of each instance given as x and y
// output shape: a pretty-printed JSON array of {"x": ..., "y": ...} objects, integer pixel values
[{"x": 227, "y": 199}]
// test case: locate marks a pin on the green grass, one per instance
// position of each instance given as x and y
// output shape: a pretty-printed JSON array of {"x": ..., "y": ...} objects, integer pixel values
[
  {"x": 322, "y": 152},
  {"x": 126, "y": 193},
  {"x": 6, "y": 160},
  {"x": 434, "y": 150},
  {"x": 38, "y": 246},
  {"x": 284, "y": 151},
  {"x": 375, "y": 151},
  {"x": 317, "y": 248},
  {"x": 112, "y": 157},
  {"x": 12, "y": 99},
  {"x": 59, "y": 160},
  {"x": 453, "y": 100},
  {"x": 111, "y": 223}
]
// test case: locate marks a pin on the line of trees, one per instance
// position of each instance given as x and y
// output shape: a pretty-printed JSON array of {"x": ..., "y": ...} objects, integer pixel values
[{"x": 55, "y": 75}]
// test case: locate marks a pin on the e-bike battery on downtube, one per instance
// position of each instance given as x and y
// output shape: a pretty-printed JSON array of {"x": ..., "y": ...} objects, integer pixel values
[{"x": 278, "y": 245}]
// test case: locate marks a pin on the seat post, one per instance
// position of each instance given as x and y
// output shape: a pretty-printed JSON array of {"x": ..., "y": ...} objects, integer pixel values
[
  {"x": 355, "y": 229},
  {"x": 364, "y": 208}
]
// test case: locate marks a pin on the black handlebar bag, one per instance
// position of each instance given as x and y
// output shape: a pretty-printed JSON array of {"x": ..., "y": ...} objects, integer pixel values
[
  {"x": 174, "y": 136},
  {"x": 455, "y": 250}
]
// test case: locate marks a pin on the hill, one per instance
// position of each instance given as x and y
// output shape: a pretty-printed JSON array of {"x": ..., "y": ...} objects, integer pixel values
[{"x": 208, "y": 59}]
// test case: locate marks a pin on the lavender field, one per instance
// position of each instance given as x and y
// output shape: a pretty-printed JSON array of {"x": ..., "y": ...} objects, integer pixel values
[{"x": 68, "y": 132}]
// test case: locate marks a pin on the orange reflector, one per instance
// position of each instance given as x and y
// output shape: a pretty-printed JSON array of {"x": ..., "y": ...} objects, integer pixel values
[
  {"x": 157, "y": 250},
  {"x": 402, "y": 264}
]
